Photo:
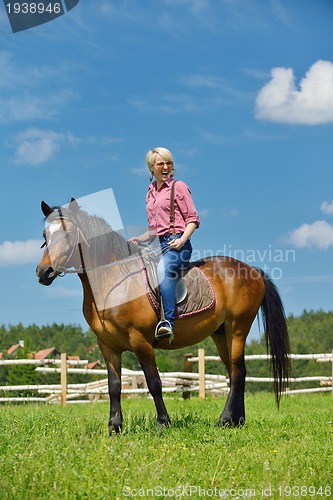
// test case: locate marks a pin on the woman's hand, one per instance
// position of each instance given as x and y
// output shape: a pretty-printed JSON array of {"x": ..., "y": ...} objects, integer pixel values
[
  {"x": 176, "y": 244},
  {"x": 134, "y": 241},
  {"x": 142, "y": 238}
]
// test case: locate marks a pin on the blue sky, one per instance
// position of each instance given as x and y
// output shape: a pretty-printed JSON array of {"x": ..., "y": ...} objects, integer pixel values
[{"x": 241, "y": 91}]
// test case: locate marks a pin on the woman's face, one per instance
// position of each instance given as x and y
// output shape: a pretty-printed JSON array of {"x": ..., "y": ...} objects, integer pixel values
[{"x": 162, "y": 169}]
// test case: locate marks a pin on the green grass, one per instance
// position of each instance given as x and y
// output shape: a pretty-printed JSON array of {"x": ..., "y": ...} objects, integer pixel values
[{"x": 65, "y": 453}]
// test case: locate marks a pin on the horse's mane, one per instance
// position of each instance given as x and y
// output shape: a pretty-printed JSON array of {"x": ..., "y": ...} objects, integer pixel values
[{"x": 104, "y": 242}]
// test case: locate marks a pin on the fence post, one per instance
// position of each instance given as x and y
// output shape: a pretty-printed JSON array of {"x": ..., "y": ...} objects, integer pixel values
[
  {"x": 201, "y": 369},
  {"x": 63, "y": 379},
  {"x": 187, "y": 369}
]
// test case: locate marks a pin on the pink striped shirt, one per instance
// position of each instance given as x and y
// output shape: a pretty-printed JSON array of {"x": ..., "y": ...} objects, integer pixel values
[{"x": 158, "y": 207}]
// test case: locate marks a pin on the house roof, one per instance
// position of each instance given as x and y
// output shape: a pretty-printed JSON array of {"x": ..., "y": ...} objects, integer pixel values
[
  {"x": 95, "y": 364},
  {"x": 13, "y": 348},
  {"x": 44, "y": 353}
]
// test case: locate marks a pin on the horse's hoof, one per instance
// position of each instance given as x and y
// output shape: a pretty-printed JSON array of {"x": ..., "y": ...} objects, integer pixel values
[
  {"x": 114, "y": 430},
  {"x": 228, "y": 423},
  {"x": 115, "y": 426},
  {"x": 163, "y": 422}
]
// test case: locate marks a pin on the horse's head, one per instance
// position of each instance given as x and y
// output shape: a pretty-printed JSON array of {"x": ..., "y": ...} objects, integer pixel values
[{"x": 61, "y": 238}]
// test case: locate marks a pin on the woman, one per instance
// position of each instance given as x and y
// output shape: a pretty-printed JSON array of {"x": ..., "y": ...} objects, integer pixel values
[{"x": 175, "y": 242}]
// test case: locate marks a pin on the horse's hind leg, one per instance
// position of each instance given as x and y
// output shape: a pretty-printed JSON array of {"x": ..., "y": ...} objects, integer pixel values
[
  {"x": 146, "y": 356},
  {"x": 230, "y": 343}
]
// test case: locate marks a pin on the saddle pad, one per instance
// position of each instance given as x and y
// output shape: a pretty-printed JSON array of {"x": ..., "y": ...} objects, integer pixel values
[{"x": 200, "y": 294}]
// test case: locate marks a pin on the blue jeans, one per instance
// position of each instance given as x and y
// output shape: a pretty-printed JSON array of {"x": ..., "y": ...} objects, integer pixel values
[{"x": 167, "y": 272}]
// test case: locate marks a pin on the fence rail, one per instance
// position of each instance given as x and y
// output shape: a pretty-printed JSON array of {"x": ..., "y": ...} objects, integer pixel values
[
  {"x": 133, "y": 381},
  {"x": 325, "y": 382}
]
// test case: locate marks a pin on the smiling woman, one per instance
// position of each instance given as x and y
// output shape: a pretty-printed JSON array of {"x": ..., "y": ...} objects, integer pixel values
[{"x": 173, "y": 218}]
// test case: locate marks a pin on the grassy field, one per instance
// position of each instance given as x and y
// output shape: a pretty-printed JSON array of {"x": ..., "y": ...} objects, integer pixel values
[{"x": 65, "y": 453}]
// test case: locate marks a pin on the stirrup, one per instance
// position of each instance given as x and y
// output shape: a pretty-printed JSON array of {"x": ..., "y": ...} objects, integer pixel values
[{"x": 164, "y": 330}]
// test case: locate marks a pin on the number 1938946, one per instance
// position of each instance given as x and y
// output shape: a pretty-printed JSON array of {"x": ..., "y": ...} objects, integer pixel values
[{"x": 33, "y": 8}]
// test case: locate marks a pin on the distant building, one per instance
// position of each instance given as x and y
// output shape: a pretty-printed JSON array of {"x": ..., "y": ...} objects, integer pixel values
[
  {"x": 73, "y": 358},
  {"x": 50, "y": 353},
  {"x": 95, "y": 364},
  {"x": 12, "y": 351}
]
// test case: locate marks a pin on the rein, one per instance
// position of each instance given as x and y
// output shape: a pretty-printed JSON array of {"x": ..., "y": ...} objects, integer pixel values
[{"x": 81, "y": 269}]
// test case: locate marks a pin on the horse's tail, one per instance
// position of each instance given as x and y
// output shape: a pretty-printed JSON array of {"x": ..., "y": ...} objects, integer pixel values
[{"x": 276, "y": 332}]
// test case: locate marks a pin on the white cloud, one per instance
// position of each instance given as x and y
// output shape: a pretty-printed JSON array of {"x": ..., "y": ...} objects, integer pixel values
[
  {"x": 170, "y": 104},
  {"x": 35, "y": 146},
  {"x": 219, "y": 84},
  {"x": 24, "y": 106},
  {"x": 19, "y": 252},
  {"x": 281, "y": 12},
  {"x": 196, "y": 6},
  {"x": 319, "y": 234},
  {"x": 327, "y": 208},
  {"x": 31, "y": 92},
  {"x": 280, "y": 101},
  {"x": 258, "y": 74}
]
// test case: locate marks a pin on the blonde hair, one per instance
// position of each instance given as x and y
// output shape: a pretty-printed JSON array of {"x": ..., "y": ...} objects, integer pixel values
[{"x": 163, "y": 152}]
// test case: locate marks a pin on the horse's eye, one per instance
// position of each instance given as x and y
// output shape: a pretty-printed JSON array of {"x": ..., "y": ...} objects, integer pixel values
[{"x": 43, "y": 245}]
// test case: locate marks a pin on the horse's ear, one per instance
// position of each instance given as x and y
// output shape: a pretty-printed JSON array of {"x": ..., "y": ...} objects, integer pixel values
[
  {"x": 46, "y": 209},
  {"x": 73, "y": 206}
]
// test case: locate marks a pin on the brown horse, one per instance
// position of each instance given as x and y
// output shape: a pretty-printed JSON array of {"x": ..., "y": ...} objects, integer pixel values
[{"x": 120, "y": 314}]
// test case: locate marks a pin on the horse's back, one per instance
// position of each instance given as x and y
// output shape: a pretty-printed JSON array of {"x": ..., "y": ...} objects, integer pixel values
[{"x": 238, "y": 286}]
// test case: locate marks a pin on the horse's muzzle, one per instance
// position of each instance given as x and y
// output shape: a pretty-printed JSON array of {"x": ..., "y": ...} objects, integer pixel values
[{"x": 46, "y": 275}]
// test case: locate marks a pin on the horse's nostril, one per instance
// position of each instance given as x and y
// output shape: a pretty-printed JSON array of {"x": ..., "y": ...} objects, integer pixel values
[{"x": 50, "y": 272}]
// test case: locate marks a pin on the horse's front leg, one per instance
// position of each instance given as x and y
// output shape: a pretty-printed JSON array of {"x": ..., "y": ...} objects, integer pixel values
[
  {"x": 146, "y": 357},
  {"x": 114, "y": 383},
  {"x": 113, "y": 364}
]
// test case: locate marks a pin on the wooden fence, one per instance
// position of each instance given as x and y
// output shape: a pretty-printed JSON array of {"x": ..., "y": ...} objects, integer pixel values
[
  {"x": 133, "y": 382},
  {"x": 325, "y": 382}
]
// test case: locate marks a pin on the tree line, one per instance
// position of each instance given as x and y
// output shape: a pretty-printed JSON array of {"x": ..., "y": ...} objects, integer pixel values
[{"x": 311, "y": 332}]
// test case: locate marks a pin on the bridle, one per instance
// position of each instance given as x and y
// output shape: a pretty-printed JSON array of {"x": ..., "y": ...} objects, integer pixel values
[
  {"x": 62, "y": 270},
  {"x": 76, "y": 244}
]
